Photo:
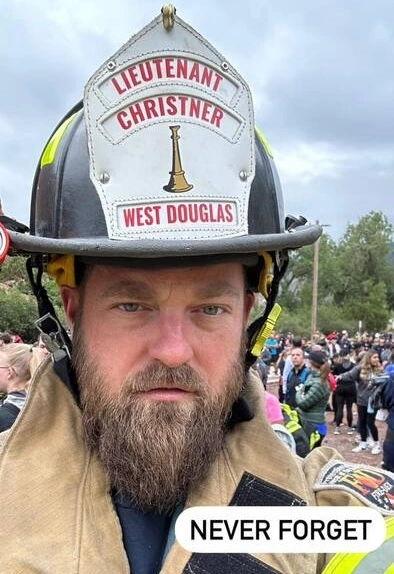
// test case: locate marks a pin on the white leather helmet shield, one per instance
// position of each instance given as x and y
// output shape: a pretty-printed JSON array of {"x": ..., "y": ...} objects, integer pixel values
[{"x": 171, "y": 138}]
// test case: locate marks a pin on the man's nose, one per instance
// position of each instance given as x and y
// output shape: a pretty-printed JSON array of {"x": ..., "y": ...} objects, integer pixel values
[{"x": 171, "y": 344}]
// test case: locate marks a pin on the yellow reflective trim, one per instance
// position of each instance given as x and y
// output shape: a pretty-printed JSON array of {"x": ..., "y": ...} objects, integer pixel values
[
  {"x": 266, "y": 330},
  {"x": 264, "y": 141},
  {"x": 50, "y": 151},
  {"x": 381, "y": 558},
  {"x": 292, "y": 426}
]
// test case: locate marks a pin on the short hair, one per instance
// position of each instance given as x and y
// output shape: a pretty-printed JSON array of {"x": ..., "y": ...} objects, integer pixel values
[
  {"x": 297, "y": 342},
  {"x": 6, "y": 337}
]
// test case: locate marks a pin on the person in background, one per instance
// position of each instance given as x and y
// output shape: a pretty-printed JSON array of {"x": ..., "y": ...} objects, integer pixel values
[
  {"x": 47, "y": 344},
  {"x": 389, "y": 366},
  {"x": 272, "y": 344},
  {"x": 279, "y": 370},
  {"x": 362, "y": 375},
  {"x": 312, "y": 397},
  {"x": 333, "y": 347},
  {"x": 15, "y": 375},
  {"x": 388, "y": 405},
  {"x": 385, "y": 355},
  {"x": 345, "y": 392},
  {"x": 273, "y": 409},
  {"x": 296, "y": 343},
  {"x": 297, "y": 376},
  {"x": 379, "y": 345},
  {"x": 41, "y": 346},
  {"x": 261, "y": 367},
  {"x": 5, "y": 339},
  {"x": 344, "y": 342},
  {"x": 358, "y": 352}
]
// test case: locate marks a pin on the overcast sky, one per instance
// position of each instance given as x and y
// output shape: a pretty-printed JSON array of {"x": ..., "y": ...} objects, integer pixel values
[{"x": 321, "y": 74}]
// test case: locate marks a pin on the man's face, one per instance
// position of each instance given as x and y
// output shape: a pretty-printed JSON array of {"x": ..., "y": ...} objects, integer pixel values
[
  {"x": 297, "y": 356},
  {"x": 158, "y": 359},
  {"x": 43, "y": 348}
]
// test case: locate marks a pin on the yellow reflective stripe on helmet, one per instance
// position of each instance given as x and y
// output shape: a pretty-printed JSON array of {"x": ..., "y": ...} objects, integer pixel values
[
  {"x": 264, "y": 141},
  {"x": 50, "y": 151},
  {"x": 379, "y": 561}
]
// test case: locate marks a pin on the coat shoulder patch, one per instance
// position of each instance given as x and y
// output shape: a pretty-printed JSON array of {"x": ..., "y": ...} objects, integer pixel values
[{"x": 373, "y": 486}]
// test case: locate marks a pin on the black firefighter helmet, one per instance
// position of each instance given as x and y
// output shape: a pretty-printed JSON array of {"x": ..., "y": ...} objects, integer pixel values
[{"x": 162, "y": 161}]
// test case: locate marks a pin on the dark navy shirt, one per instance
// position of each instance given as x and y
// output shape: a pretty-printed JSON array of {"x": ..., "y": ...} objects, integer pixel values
[{"x": 144, "y": 536}]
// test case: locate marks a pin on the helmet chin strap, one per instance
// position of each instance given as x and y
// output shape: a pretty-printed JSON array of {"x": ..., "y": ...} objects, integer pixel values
[
  {"x": 48, "y": 321},
  {"x": 259, "y": 331}
]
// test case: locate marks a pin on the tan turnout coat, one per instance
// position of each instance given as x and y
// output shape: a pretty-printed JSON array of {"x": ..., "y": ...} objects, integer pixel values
[{"x": 57, "y": 515}]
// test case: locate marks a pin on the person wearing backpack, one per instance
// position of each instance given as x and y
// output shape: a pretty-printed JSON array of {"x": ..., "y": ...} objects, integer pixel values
[
  {"x": 305, "y": 434},
  {"x": 312, "y": 397}
]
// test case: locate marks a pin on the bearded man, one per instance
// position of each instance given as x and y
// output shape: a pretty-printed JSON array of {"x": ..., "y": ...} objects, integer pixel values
[{"x": 149, "y": 407}]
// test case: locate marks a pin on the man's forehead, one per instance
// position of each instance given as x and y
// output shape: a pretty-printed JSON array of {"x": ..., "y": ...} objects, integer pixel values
[
  {"x": 245, "y": 259},
  {"x": 218, "y": 277}
]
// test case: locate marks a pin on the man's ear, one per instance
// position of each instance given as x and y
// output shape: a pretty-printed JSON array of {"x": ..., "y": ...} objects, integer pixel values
[
  {"x": 70, "y": 299},
  {"x": 250, "y": 299}
]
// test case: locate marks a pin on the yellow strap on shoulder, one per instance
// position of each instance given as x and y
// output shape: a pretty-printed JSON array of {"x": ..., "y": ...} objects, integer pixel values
[{"x": 62, "y": 269}]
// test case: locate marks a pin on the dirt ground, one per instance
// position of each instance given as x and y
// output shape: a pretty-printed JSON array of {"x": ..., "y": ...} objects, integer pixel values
[{"x": 343, "y": 442}]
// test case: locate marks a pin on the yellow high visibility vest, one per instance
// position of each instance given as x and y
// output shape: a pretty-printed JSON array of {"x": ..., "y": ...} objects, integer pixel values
[{"x": 379, "y": 561}]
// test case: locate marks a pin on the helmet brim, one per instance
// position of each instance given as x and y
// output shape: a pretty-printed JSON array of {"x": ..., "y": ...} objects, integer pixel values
[{"x": 104, "y": 247}]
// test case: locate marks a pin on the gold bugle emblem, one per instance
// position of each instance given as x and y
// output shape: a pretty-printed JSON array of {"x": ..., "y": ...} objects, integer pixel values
[{"x": 177, "y": 182}]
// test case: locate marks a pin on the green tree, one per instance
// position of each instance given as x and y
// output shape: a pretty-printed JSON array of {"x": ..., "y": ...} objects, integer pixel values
[
  {"x": 356, "y": 280},
  {"x": 17, "y": 314},
  {"x": 18, "y": 306},
  {"x": 366, "y": 286},
  {"x": 296, "y": 288},
  {"x": 13, "y": 269}
]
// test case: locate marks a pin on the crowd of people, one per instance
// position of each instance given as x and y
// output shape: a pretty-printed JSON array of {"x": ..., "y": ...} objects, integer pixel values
[{"x": 337, "y": 373}]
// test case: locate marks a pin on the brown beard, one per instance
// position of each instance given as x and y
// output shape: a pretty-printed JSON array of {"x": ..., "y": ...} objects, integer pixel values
[{"x": 154, "y": 451}]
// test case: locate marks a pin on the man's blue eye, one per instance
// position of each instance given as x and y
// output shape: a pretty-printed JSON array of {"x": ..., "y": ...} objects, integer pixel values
[
  {"x": 213, "y": 310},
  {"x": 130, "y": 307}
]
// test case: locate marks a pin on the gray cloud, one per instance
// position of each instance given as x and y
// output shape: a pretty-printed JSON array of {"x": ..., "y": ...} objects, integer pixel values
[{"x": 320, "y": 72}]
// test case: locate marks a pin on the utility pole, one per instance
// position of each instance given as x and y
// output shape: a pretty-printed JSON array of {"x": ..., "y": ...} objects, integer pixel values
[
  {"x": 315, "y": 285},
  {"x": 315, "y": 282}
]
